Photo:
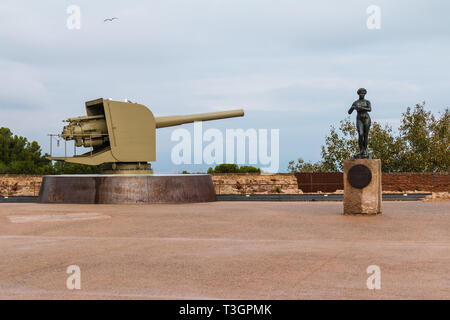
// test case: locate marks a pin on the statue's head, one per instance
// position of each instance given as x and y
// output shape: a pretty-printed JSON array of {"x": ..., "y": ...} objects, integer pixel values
[{"x": 361, "y": 92}]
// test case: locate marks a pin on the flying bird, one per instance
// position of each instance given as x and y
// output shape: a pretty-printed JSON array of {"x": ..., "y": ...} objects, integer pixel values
[{"x": 111, "y": 19}]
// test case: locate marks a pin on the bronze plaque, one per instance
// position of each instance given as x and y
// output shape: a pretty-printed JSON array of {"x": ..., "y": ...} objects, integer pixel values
[{"x": 359, "y": 176}]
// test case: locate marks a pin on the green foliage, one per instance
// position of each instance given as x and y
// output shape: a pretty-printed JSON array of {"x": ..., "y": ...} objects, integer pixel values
[
  {"x": 427, "y": 140},
  {"x": 339, "y": 146},
  {"x": 249, "y": 169},
  {"x": 19, "y": 156},
  {"x": 233, "y": 168},
  {"x": 75, "y": 168},
  {"x": 302, "y": 166},
  {"x": 187, "y": 172},
  {"x": 387, "y": 147},
  {"x": 342, "y": 144},
  {"x": 422, "y": 145}
]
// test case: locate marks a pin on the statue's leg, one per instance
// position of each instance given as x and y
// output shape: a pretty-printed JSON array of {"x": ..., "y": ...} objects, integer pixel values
[
  {"x": 360, "y": 128},
  {"x": 366, "y": 135}
]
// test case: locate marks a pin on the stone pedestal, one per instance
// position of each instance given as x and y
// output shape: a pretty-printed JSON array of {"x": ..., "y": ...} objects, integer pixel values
[
  {"x": 362, "y": 186},
  {"x": 131, "y": 189}
]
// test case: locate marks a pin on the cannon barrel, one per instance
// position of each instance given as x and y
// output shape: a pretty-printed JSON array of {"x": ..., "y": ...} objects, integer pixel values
[{"x": 162, "y": 122}]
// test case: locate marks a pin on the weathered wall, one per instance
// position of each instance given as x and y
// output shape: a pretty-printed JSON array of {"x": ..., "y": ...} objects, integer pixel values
[
  {"x": 19, "y": 185},
  {"x": 249, "y": 183},
  {"x": 232, "y": 183}
]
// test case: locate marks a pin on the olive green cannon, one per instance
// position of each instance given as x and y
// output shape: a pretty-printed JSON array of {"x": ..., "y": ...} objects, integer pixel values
[{"x": 122, "y": 135}]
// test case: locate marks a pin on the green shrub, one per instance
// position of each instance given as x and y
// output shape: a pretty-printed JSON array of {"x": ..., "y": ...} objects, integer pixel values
[
  {"x": 249, "y": 169},
  {"x": 233, "y": 168}
]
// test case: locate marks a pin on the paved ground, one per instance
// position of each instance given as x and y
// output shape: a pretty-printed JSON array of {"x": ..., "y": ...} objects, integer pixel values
[{"x": 225, "y": 250}]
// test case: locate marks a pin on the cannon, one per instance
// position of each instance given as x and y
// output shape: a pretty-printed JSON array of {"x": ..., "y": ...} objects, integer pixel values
[{"x": 122, "y": 135}]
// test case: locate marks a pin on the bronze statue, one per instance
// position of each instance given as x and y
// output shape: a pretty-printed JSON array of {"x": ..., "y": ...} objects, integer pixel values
[{"x": 363, "y": 107}]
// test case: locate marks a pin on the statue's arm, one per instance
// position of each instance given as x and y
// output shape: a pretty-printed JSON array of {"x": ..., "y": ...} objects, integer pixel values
[{"x": 351, "y": 108}]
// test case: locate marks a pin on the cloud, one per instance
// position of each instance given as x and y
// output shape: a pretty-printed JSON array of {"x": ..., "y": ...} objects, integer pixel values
[
  {"x": 293, "y": 65},
  {"x": 20, "y": 87}
]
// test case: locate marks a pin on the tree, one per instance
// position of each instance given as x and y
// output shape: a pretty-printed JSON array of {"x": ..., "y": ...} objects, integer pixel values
[
  {"x": 302, "y": 166},
  {"x": 440, "y": 150},
  {"x": 19, "y": 156},
  {"x": 342, "y": 145},
  {"x": 422, "y": 145},
  {"x": 339, "y": 146},
  {"x": 426, "y": 139},
  {"x": 384, "y": 145}
]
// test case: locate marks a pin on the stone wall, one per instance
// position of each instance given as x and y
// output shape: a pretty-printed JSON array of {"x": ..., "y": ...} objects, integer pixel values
[
  {"x": 231, "y": 183},
  {"x": 19, "y": 185},
  {"x": 255, "y": 183}
]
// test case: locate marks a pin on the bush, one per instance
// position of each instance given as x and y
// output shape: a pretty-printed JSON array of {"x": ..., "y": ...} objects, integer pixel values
[
  {"x": 75, "y": 168},
  {"x": 233, "y": 168},
  {"x": 249, "y": 169}
]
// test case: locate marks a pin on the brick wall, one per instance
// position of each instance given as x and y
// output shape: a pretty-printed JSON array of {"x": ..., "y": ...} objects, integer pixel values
[
  {"x": 320, "y": 181},
  {"x": 332, "y": 181},
  {"x": 437, "y": 182}
]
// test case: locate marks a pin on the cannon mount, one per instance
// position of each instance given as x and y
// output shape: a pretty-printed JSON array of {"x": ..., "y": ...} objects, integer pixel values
[{"x": 122, "y": 135}]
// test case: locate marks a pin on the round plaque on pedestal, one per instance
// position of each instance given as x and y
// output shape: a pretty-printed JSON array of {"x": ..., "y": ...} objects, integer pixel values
[{"x": 359, "y": 176}]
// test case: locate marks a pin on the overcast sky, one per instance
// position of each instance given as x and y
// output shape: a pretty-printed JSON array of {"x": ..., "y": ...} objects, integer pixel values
[{"x": 292, "y": 65}]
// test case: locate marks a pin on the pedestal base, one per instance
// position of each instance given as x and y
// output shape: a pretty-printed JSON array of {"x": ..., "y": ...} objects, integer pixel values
[
  {"x": 131, "y": 189},
  {"x": 362, "y": 186}
]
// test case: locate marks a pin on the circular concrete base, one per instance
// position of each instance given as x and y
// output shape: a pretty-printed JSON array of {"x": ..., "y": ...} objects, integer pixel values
[{"x": 132, "y": 189}]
